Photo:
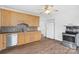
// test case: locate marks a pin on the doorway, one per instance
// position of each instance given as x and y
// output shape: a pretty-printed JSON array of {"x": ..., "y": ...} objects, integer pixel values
[{"x": 50, "y": 30}]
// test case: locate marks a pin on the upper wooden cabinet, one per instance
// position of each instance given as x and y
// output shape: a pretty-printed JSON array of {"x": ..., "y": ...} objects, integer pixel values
[
  {"x": 26, "y": 18},
  {"x": 12, "y": 18},
  {"x": 0, "y": 17},
  {"x": 6, "y": 17}
]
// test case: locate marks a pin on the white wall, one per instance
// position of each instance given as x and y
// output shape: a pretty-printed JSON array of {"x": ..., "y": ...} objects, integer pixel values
[
  {"x": 42, "y": 25},
  {"x": 67, "y": 14},
  {"x": 46, "y": 30}
]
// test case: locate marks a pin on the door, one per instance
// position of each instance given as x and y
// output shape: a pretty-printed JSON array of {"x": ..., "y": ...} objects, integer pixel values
[{"x": 50, "y": 30}]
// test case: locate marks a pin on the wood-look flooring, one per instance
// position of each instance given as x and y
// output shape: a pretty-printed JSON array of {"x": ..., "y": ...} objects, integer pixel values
[{"x": 44, "y": 46}]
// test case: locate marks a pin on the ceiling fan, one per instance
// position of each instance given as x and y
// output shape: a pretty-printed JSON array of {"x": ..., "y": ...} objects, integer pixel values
[{"x": 47, "y": 9}]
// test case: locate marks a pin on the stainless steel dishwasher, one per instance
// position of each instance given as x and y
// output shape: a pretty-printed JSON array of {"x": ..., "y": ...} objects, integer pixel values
[{"x": 11, "y": 39}]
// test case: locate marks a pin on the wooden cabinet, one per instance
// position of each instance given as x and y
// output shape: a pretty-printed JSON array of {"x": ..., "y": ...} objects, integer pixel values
[
  {"x": 17, "y": 18},
  {"x": 34, "y": 21},
  {"x": 6, "y": 17},
  {"x": 26, "y": 18},
  {"x": 31, "y": 20},
  {"x": 28, "y": 37},
  {"x": 12, "y": 18},
  {"x": 33, "y": 36},
  {"x": 21, "y": 38},
  {"x": 0, "y": 17},
  {"x": 2, "y": 41}
]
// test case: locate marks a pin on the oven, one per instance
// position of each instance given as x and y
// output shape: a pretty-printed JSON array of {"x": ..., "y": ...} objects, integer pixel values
[
  {"x": 69, "y": 40},
  {"x": 69, "y": 37}
]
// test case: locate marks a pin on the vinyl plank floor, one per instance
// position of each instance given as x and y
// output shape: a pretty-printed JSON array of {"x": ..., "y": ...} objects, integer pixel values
[{"x": 44, "y": 46}]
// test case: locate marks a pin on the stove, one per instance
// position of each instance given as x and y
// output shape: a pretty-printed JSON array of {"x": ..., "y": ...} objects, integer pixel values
[{"x": 71, "y": 37}]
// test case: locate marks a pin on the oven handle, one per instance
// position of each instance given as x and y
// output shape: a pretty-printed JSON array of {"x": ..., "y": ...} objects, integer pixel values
[{"x": 69, "y": 35}]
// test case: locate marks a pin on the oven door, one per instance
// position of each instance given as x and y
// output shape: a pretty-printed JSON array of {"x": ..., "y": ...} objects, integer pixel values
[{"x": 69, "y": 37}]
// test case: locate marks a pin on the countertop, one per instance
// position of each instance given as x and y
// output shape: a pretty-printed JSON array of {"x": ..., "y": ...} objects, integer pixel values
[
  {"x": 15, "y": 29},
  {"x": 16, "y": 32}
]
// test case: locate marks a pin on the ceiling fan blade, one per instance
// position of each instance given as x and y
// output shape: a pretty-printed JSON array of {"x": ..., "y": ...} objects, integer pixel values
[
  {"x": 40, "y": 13},
  {"x": 56, "y": 10}
]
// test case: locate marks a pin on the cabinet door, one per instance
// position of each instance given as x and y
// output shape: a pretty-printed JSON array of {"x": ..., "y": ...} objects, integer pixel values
[
  {"x": 2, "y": 41},
  {"x": 4, "y": 36},
  {"x": 31, "y": 20},
  {"x": 21, "y": 38},
  {"x": 18, "y": 18},
  {"x": 14, "y": 18},
  {"x": 27, "y": 37},
  {"x": 26, "y": 18},
  {"x": 34, "y": 21},
  {"x": 10, "y": 18},
  {"x": 6, "y": 17},
  {"x": 32, "y": 36},
  {"x": 0, "y": 17},
  {"x": 35, "y": 36}
]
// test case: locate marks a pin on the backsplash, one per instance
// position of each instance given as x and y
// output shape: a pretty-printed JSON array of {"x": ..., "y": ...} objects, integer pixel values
[
  {"x": 5, "y": 29},
  {"x": 33, "y": 28}
]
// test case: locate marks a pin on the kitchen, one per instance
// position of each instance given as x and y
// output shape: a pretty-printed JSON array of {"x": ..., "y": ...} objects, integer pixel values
[
  {"x": 26, "y": 29},
  {"x": 17, "y": 28}
]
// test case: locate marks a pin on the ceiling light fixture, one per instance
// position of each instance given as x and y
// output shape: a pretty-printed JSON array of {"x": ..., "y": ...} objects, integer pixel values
[{"x": 48, "y": 9}]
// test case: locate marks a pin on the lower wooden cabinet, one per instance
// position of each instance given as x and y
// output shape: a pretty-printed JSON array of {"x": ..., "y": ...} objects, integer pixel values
[
  {"x": 2, "y": 41},
  {"x": 28, "y": 37},
  {"x": 33, "y": 36},
  {"x": 21, "y": 38}
]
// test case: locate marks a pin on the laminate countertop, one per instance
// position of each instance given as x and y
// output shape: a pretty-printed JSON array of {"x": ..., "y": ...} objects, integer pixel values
[{"x": 16, "y": 32}]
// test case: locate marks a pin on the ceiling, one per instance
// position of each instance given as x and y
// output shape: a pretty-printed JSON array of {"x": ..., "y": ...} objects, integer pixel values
[
  {"x": 36, "y": 9},
  {"x": 33, "y": 9}
]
